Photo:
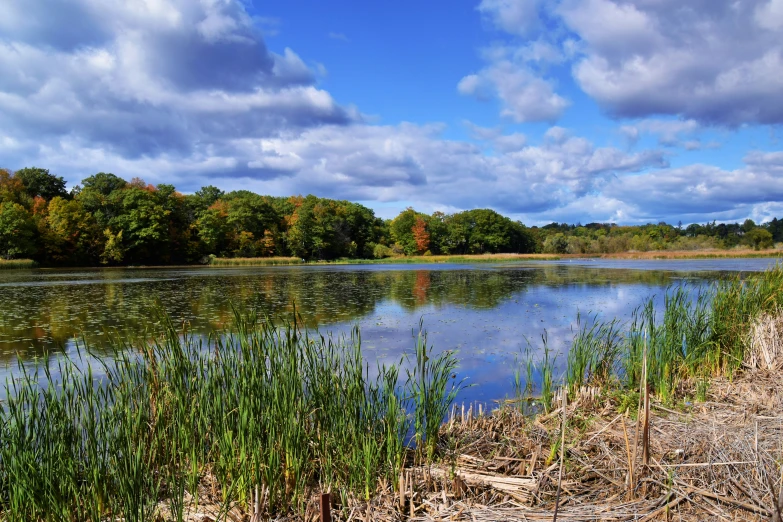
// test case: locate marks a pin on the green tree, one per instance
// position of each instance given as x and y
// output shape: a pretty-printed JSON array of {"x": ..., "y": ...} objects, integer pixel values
[
  {"x": 209, "y": 195},
  {"x": 759, "y": 238},
  {"x": 17, "y": 231},
  {"x": 40, "y": 183},
  {"x": 213, "y": 229},
  {"x": 482, "y": 231},
  {"x": 556, "y": 244},
  {"x": 72, "y": 235},
  {"x": 401, "y": 229},
  {"x": 140, "y": 222}
]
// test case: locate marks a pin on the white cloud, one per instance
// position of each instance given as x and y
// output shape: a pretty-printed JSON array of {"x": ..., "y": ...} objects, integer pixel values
[
  {"x": 704, "y": 190},
  {"x": 513, "y": 16},
  {"x": 769, "y": 15},
  {"x": 338, "y": 36},
  {"x": 718, "y": 61},
  {"x": 158, "y": 76},
  {"x": 671, "y": 133},
  {"x": 525, "y": 96}
]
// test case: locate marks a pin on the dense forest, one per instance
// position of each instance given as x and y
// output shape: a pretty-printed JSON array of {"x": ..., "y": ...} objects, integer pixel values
[{"x": 108, "y": 220}]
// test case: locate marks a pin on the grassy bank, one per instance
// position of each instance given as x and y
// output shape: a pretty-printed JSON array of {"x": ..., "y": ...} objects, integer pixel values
[
  {"x": 261, "y": 420},
  {"x": 17, "y": 263},
  {"x": 485, "y": 258},
  {"x": 254, "y": 261},
  {"x": 687, "y": 254}
]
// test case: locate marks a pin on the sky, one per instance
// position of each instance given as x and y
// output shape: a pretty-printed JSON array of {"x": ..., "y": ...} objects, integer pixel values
[{"x": 625, "y": 111}]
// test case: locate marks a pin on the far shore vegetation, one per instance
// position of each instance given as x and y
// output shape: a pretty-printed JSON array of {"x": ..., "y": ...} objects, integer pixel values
[
  {"x": 257, "y": 421},
  {"x": 17, "y": 263},
  {"x": 108, "y": 221},
  {"x": 502, "y": 258}
]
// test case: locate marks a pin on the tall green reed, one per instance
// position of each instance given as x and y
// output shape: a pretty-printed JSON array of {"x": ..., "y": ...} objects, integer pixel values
[
  {"x": 275, "y": 406},
  {"x": 693, "y": 333}
]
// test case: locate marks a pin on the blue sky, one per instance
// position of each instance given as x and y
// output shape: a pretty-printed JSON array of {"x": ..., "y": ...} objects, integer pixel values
[{"x": 569, "y": 110}]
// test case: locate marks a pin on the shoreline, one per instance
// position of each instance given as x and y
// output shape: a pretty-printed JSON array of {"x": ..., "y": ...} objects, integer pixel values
[{"x": 656, "y": 255}]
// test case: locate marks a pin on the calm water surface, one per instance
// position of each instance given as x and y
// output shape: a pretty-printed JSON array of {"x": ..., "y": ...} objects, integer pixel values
[{"x": 487, "y": 313}]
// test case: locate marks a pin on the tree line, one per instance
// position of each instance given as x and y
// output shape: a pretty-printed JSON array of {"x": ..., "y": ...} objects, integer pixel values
[
  {"x": 607, "y": 238},
  {"x": 108, "y": 220}
]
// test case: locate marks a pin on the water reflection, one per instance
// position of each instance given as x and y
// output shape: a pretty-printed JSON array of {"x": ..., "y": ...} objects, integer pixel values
[
  {"x": 42, "y": 310},
  {"x": 488, "y": 314}
]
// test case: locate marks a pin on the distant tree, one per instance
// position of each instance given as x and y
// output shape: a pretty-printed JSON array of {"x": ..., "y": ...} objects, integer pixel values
[
  {"x": 17, "y": 231},
  {"x": 556, "y": 244},
  {"x": 142, "y": 219},
  {"x": 759, "y": 238},
  {"x": 40, "y": 183},
  {"x": 114, "y": 250},
  {"x": 12, "y": 189},
  {"x": 209, "y": 194},
  {"x": 420, "y": 235},
  {"x": 103, "y": 183},
  {"x": 213, "y": 229},
  {"x": 72, "y": 235}
]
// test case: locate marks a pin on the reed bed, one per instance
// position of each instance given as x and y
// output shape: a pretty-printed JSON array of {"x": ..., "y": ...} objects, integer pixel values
[
  {"x": 695, "y": 334},
  {"x": 254, "y": 261},
  {"x": 688, "y": 254},
  {"x": 17, "y": 263},
  {"x": 477, "y": 258},
  {"x": 251, "y": 422},
  {"x": 483, "y": 258}
]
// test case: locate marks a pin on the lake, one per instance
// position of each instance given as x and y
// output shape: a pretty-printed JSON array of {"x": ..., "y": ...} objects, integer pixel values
[{"x": 489, "y": 313}]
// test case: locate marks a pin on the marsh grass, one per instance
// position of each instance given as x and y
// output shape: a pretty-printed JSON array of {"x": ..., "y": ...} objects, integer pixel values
[
  {"x": 479, "y": 258},
  {"x": 691, "y": 254},
  {"x": 17, "y": 263},
  {"x": 693, "y": 335},
  {"x": 279, "y": 407},
  {"x": 593, "y": 353},
  {"x": 254, "y": 261}
]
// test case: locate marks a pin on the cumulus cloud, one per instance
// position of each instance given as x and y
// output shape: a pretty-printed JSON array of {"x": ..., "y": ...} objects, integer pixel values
[
  {"x": 148, "y": 78},
  {"x": 513, "y": 16},
  {"x": 413, "y": 163},
  {"x": 670, "y": 133},
  {"x": 700, "y": 191},
  {"x": 717, "y": 61},
  {"x": 525, "y": 95}
]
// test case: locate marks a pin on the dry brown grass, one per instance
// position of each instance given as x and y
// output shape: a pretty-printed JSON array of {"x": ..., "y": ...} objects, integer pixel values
[
  {"x": 766, "y": 343},
  {"x": 683, "y": 254},
  {"x": 254, "y": 261}
]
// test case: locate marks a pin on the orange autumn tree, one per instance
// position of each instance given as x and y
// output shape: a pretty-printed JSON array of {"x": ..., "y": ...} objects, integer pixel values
[{"x": 420, "y": 235}]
